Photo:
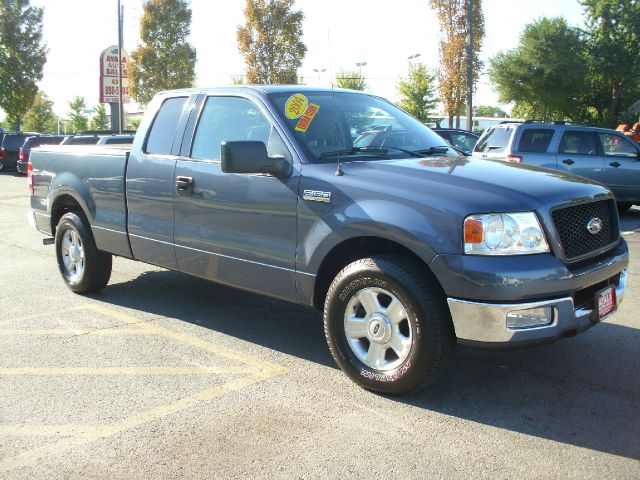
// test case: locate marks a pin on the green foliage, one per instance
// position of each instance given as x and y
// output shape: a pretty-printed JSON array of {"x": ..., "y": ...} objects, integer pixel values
[
  {"x": 352, "y": 79},
  {"x": 271, "y": 42},
  {"x": 545, "y": 74},
  {"x": 237, "y": 80},
  {"x": 100, "y": 120},
  {"x": 134, "y": 123},
  {"x": 40, "y": 117},
  {"x": 489, "y": 111},
  {"x": 22, "y": 56},
  {"x": 613, "y": 60},
  {"x": 164, "y": 60},
  {"x": 417, "y": 92},
  {"x": 77, "y": 121}
]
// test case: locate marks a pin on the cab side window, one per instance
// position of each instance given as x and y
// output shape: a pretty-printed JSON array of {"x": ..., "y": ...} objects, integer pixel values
[
  {"x": 578, "y": 143},
  {"x": 228, "y": 119},
  {"x": 617, "y": 146},
  {"x": 163, "y": 130}
]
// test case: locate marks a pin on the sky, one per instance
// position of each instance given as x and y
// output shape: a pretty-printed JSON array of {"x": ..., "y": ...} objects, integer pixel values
[{"x": 338, "y": 34}]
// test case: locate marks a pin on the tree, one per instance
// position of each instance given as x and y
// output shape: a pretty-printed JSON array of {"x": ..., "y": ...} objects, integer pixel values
[
  {"x": 613, "y": 57},
  {"x": 22, "y": 56},
  {"x": 270, "y": 41},
  {"x": 77, "y": 119},
  {"x": 100, "y": 120},
  {"x": 417, "y": 92},
  {"x": 452, "y": 74},
  {"x": 545, "y": 74},
  {"x": 164, "y": 60},
  {"x": 352, "y": 79},
  {"x": 40, "y": 117},
  {"x": 489, "y": 111}
]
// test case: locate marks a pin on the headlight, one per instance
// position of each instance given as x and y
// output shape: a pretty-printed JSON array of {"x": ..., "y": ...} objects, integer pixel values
[{"x": 504, "y": 234}]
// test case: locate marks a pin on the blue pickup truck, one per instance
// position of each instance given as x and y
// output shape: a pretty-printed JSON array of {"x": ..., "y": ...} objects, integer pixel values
[{"x": 407, "y": 247}]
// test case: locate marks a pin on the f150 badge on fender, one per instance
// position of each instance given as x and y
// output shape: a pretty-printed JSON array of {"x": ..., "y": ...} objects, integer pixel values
[{"x": 316, "y": 196}]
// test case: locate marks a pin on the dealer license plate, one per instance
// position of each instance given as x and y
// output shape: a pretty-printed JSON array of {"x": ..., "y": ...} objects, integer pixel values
[{"x": 606, "y": 302}]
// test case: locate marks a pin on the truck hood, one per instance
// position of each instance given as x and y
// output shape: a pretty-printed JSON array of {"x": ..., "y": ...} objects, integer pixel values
[{"x": 473, "y": 185}]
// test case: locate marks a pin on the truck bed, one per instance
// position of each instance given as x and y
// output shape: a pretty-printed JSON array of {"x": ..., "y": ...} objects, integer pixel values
[{"x": 94, "y": 176}]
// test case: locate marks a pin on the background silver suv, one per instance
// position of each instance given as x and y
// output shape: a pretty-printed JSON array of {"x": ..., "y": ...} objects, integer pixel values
[{"x": 606, "y": 156}]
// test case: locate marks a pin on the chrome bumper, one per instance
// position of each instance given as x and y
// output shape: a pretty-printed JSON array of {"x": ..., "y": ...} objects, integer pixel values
[{"x": 477, "y": 323}]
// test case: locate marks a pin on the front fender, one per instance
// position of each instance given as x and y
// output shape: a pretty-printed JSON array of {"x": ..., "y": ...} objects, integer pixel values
[{"x": 424, "y": 235}]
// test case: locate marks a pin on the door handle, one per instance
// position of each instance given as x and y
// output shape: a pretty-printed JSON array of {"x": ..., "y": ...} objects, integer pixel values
[
  {"x": 615, "y": 164},
  {"x": 184, "y": 185},
  {"x": 568, "y": 161}
]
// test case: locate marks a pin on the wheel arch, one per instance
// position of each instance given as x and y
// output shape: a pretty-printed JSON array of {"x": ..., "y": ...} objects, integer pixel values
[{"x": 354, "y": 249}]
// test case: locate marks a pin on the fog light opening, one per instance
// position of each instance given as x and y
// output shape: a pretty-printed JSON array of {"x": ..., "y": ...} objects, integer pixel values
[{"x": 531, "y": 318}]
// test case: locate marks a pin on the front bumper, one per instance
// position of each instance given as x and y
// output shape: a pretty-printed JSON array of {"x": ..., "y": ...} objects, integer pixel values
[{"x": 484, "y": 325}]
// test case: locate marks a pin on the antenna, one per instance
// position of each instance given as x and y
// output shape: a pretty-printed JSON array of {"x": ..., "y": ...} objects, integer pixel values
[{"x": 339, "y": 171}]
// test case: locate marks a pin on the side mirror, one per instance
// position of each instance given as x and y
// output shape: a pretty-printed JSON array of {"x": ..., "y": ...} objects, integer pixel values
[{"x": 251, "y": 157}]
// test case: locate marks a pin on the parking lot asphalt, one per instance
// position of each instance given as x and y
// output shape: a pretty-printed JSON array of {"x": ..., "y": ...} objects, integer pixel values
[{"x": 165, "y": 376}]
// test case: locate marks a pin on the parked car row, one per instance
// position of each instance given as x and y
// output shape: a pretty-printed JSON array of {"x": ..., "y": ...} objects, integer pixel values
[
  {"x": 603, "y": 155},
  {"x": 15, "y": 148}
]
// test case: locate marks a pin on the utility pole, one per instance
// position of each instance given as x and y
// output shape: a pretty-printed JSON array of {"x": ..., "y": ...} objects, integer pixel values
[
  {"x": 470, "y": 65},
  {"x": 120, "y": 111}
]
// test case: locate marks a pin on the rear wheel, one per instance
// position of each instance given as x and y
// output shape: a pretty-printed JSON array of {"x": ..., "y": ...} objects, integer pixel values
[
  {"x": 84, "y": 268},
  {"x": 387, "y": 325}
]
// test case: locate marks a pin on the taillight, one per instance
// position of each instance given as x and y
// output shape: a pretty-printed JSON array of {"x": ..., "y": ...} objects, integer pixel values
[
  {"x": 30, "y": 177},
  {"x": 21, "y": 155},
  {"x": 1, "y": 152},
  {"x": 514, "y": 158}
]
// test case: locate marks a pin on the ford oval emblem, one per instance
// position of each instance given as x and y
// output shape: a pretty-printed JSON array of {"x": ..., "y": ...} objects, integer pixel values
[{"x": 594, "y": 226}]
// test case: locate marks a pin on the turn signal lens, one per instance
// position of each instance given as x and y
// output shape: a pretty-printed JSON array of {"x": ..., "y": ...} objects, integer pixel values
[{"x": 473, "y": 231}]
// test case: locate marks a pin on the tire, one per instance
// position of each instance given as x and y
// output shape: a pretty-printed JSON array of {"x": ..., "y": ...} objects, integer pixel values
[
  {"x": 83, "y": 267},
  {"x": 623, "y": 207},
  {"x": 401, "y": 336}
]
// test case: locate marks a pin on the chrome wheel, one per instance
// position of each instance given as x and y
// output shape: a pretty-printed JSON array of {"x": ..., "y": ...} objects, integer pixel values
[
  {"x": 72, "y": 255},
  {"x": 377, "y": 329}
]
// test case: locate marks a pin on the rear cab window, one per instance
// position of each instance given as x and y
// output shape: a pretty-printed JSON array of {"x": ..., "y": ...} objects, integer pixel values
[
  {"x": 495, "y": 140},
  {"x": 535, "y": 140},
  {"x": 163, "y": 131}
]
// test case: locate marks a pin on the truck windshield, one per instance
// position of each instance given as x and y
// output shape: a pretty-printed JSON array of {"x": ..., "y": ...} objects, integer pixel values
[{"x": 354, "y": 126}]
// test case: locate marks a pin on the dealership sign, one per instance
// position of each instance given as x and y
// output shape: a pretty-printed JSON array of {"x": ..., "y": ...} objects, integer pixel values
[{"x": 109, "y": 81}]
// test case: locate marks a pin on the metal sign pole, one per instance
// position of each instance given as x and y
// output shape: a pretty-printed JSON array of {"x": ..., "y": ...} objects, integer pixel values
[{"x": 120, "y": 109}]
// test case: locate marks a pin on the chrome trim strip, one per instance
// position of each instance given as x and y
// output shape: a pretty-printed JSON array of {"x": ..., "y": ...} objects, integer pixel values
[
  {"x": 108, "y": 229},
  {"x": 221, "y": 255}
]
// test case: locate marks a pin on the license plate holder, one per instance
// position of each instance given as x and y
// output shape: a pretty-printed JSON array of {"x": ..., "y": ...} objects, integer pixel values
[{"x": 605, "y": 302}]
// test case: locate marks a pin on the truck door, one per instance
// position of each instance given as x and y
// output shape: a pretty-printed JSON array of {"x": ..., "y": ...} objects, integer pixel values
[
  {"x": 621, "y": 166},
  {"x": 150, "y": 179},
  {"x": 238, "y": 229},
  {"x": 578, "y": 152}
]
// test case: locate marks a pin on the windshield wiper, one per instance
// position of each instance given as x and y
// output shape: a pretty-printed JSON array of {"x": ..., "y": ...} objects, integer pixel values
[
  {"x": 433, "y": 150},
  {"x": 353, "y": 151}
]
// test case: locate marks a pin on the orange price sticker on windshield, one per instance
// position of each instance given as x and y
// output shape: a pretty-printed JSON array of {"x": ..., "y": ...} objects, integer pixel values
[
  {"x": 295, "y": 106},
  {"x": 307, "y": 117}
]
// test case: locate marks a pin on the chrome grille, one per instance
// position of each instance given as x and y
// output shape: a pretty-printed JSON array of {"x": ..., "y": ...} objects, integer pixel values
[{"x": 571, "y": 225}]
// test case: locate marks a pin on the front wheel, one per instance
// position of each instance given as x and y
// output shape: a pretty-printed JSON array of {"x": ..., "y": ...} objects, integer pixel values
[
  {"x": 84, "y": 268},
  {"x": 387, "y": 325}
]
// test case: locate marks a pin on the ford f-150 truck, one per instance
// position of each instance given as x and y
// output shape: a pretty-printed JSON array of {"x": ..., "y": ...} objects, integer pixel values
[{"x": 407, "y": 247}]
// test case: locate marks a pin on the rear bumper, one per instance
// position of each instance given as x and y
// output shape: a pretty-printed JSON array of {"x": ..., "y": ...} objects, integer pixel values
[
  {"x": 484, "y": 325},
  {"x": 21, "y": 165}
]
